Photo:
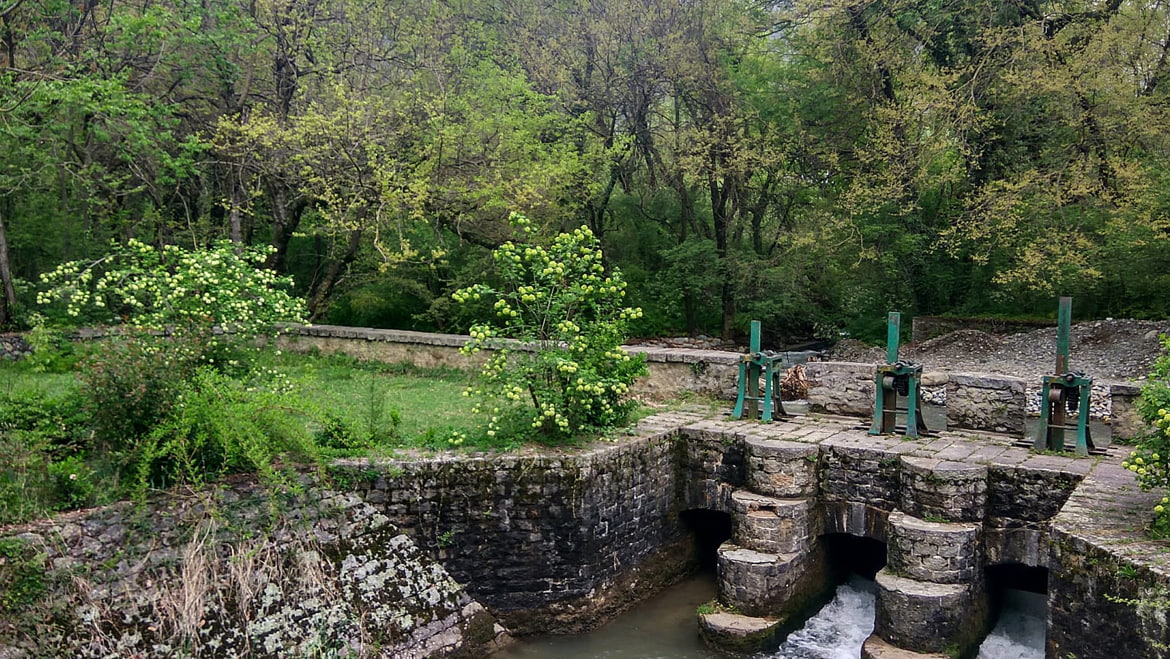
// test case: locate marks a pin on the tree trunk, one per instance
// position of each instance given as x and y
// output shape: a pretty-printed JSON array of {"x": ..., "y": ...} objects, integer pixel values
[
  {"x": 9, "y": 300},
  {"x": 323, "y": 288},
  {"x": 286, "y": 217}
]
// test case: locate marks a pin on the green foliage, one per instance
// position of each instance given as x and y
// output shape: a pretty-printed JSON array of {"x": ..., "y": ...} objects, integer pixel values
[
  {"x": 567, "y": 373},
  {"x": 220, "y": 425},
  {"x": 53, "y": 350},
  {"x": 22, "y": 576},
  {"x": 172, "y": 289},
  {"x": 1150, "y": 459},
  {"x": 74, "y": 483},
  {"x": 130, "y": 383}
]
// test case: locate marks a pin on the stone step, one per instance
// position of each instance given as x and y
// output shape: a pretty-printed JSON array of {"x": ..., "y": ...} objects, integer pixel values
[
  {"x": 876, "y": 648},
  {"x": 771, "y": 525},
  {"x": 734, "y": 632}
]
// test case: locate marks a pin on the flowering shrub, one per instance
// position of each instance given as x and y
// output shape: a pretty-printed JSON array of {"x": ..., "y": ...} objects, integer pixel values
[
  {"x": 176, "y": 396},
  {"x": 141, "y": 287},
  {"x": 568, "y": 373},
  {"x": 1150, "y": 459}
]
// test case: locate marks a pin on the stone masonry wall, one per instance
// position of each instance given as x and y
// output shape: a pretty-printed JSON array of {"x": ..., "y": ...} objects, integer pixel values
[
  {"x": 232, "y": 572},
  {"x": 547, "y": 542},
  {"x": 844, "y": 388},
  {"x": 986, "y": 402}
]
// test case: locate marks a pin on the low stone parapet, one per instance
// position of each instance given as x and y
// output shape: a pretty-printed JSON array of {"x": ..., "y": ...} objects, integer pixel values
[
  {"x": 844, "y": 388},
  {"x": 986, "y": 402}
]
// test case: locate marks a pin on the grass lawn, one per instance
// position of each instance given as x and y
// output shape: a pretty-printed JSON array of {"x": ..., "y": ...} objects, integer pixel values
[
  {"x": 406, "y": 406},
  {"x": 44, "y": 425}
]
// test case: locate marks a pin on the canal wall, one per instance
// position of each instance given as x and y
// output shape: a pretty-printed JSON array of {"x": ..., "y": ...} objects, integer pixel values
[{"x": 559, "y": 541}]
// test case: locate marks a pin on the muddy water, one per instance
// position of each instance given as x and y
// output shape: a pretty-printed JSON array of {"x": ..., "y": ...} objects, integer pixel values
[{"x": 663, "y": 627}]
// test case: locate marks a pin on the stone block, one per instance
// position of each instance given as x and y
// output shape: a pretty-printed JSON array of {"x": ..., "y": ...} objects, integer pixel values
[
  {"x": 731, "y": 632},
  {"x": 1124, "y": 420},
  {"x": 943, "y": 490},
  {"x": 929, "y": 617},
  {"x": 986, "y": 402},
  {"x": 931, "y": 551},
  {"x": 781, "y": 469},
  {"x": 778, "y": 526},
  {"x": 876, "y": 648}
]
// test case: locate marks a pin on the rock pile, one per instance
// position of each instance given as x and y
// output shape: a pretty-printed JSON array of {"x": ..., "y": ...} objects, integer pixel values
[{"x": 13, "y": 346}]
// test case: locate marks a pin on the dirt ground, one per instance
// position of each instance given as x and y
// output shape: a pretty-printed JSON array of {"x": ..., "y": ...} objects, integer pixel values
[{"x": 1111, "y": 350}]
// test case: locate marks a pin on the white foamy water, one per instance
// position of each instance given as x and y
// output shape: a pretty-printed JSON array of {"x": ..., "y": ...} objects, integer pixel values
[
  {"x": 1019, "y": 634},
  {"x": 838, "y": 630}
]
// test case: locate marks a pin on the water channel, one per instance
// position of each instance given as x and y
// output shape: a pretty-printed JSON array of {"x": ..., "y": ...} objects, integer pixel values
[{"x": 665, "y": 627}]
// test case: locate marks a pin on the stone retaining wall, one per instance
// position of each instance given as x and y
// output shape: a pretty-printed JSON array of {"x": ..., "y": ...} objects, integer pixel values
[
  {"x": 547, "y": 542},
  {"x": 232, "y": 573},
  {"x": 13, "y": 346}
]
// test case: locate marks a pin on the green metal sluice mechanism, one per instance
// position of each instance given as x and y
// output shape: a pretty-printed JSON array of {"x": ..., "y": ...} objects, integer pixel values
[
  {"x": 1065, "y": 392},
  {"x": 897, "y": 377},
  {"x": 755, "y": 366}
]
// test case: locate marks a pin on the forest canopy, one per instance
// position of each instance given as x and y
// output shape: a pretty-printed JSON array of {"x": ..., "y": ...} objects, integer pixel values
[{"x": 808, "y": 164}]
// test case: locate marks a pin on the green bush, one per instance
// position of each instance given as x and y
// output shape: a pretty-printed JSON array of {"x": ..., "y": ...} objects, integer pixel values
[
  {"x": 1150, "y": 459},
  {"x": 219, "y": 425},
  {"x": 130, "y": 383},
  {"x": 570, "y": 374}
]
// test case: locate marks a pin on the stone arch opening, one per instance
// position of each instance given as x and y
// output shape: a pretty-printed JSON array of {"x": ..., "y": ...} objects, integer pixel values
[
  {"x": 1017, "y": 576},
  {"x": 709, "y": 528},
  {"x": 853, "y": 554}
]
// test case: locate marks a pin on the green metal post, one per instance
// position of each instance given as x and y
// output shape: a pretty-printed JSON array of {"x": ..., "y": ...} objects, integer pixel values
[
  {"x": 893, "y": 336},
  {"x": 1063, "y": 324}
]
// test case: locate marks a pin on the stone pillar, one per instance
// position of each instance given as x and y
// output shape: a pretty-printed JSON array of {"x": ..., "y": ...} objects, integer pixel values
[
  {"x": 777, "y": 586},
  {"x": 946, "y": 553},
  {"x": 941, "y": 490},
  {"x": 931, "y": 596},
  {"x": 986, "y": 402},
  {"x": 775, "y": 526},
  {"x": 1124, "y": 420}
]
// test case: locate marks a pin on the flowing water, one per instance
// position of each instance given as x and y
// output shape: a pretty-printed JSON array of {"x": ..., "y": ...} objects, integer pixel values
[{"x": 665, "y": 627}]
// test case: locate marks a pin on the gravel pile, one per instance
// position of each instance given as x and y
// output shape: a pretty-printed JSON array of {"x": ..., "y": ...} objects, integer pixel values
[
  {"x": 1111, "y": 350},
  {"x": 1106, "y": 350}
]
